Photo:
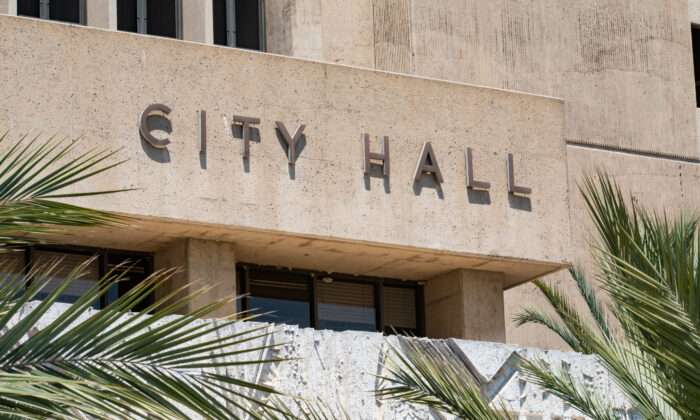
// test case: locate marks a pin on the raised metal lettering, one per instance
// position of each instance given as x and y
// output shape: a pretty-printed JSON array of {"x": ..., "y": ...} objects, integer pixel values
[
  {"x": 369, "y": 156},
  {"x": 246, "y": 121},
  {"x": 291, "y": 141},
  {"x": 512, "y": 188},
  {"x": 143, "y": 126},
  {"x": 427, "y": 155}
]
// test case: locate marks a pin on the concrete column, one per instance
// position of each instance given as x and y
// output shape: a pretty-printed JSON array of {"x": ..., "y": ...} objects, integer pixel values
[
  {"x": 203, "y": 263},
  {"x": 8, "y": 7},
  {"x": 465, "y": 304},
  {"x": 198, "y": 21},
  {"x": 102, "y": 14}
]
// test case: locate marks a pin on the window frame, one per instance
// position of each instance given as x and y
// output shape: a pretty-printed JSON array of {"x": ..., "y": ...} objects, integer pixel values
[
  {"x": 102, "y": 255},
  {"x": 142, "y": 19},
  {"x": 244, "y": 269},
  {"x": 45, "y": 12},
  {"x": 231, "y": 25}
]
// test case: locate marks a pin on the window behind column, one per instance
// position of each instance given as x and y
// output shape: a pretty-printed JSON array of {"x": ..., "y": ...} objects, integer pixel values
[
  {"x": 331, "y": 301},
  {"x": 152, "y": 17},
  {"x": 71, "y": 11},
  {"x": 239, "y": 23},
  {"x": 98, "y": 262},
  {"x": 695, "y": 33}
]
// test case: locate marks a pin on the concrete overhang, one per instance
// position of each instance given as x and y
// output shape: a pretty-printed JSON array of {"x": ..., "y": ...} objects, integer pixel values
[{"x": 286, "y": 249}]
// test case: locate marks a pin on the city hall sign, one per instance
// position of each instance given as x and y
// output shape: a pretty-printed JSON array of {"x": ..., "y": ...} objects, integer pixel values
[{"x": 427, "y": 160}]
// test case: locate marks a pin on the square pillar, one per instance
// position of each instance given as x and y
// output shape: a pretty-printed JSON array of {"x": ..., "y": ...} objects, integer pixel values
[
  {"x": 466, "y": 304},
  {"x": 198, "y": 21},
  {"x": 202, "y": 263},
  {"x": 8, "y": 7},
  {"x": 102, "y": 14}
]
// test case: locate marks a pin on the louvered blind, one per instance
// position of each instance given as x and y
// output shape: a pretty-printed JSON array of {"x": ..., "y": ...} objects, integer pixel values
[
  {"x": 68, "y": 262},
  {"x": 399, "y": 306},
  {"x": 343, "y": 305}
]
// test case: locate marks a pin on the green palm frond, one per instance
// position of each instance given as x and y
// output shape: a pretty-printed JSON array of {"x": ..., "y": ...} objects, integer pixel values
[
  {"x": 118, "y": 364},
  {"x": 430, "y": 373},
  {"x": 32, "y": 173},
  {"x": 570, "y": 389}
]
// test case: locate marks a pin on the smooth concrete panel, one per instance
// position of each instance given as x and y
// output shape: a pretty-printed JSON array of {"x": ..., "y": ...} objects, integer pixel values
[
  {"x": 623, "y": 68},
  {"x": 657, "y": 184},
  {"x": 694, "y": 11},
  {"x": 96, "y": 83},
  {"x": 102, "y": 14},
  {"x": 465, "y": 304},
  {"x": 198, "y": 21}
]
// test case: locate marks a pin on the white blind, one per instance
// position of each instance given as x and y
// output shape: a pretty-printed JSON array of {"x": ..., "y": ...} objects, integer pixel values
[
  {"x": 68, "y": 262},
  {"x": 399, "y": 306},
  {"x": 345, "y": 302}
]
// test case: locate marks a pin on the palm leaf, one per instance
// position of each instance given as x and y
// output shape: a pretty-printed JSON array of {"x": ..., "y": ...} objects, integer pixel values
[
  {"x": 31, "y": 173},
  {"x": 430, "y": 373},
  {"x": 117, "y": 364}
]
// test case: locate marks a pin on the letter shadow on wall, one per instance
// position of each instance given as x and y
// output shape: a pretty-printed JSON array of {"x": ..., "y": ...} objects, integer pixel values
[
  {"x": 428, "y": 181},
  {"x": 237, "y": 131},
  {"x": 377, "y": 171},
  {"x": 482, "y": 197},
  {"x": 157, "y": 123},
  {"x": 299, "y": 147},
  {"x": 519, "y": 202}
]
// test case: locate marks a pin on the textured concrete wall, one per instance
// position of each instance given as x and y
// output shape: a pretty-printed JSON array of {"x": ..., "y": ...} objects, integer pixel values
[
  {"x": 202, "y": 265},
  {"x": 655, "y": 183},
  {"x": 623, "y": 68},
  {"x": 96, "y": 83},
  {"x": 342, "y": 368},
  {"x": 465, "y": 304},
  {"x": 694, "y": 11}
]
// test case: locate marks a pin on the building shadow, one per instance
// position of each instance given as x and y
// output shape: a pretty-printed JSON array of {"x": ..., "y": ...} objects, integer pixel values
[
  {"x": 482, "y": 197},
  {"x": 157, "y": 123},
  {"x": 428, "y": 181},
  {"x": 519, "y": 202},
  {"x": 376, "y": 171},
  {"x": 237, "y": 132}
]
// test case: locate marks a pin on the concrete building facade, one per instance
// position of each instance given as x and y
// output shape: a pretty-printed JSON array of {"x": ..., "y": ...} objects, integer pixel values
[{"x": 377, "y": 164}]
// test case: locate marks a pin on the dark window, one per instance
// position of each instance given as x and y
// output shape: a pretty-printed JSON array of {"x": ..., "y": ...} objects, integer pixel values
[
  {"x": 239, "y": 23},
  {"x": 126, "y": 15},
  {"x": 71, "y": 11},
  {"x": 336, "y": 302},
  {"x": 695, "y": 32},
  {"x": 153, "y": 17},
  {"x": 70, "y": 257},
  {"x": 28, "y": 8}
]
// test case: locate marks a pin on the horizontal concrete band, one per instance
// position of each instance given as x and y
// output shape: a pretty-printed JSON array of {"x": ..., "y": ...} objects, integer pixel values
[{"x": 319, "y": 209}]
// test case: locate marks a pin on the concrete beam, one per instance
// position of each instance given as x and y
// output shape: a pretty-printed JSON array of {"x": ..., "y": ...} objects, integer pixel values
[
  {"x": 465, "y": 304},
  {"x": 203, "y": 264}
]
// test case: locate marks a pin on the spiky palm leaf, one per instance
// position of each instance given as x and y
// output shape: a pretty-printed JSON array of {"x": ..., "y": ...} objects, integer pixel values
[
  {"x": 111, "y": 364},
  {"x": 650, "y": 269},
  {"x": 32, "y": 172},
  {"x": 430, "y": 373},
  {"x": 117, "y": 364}
]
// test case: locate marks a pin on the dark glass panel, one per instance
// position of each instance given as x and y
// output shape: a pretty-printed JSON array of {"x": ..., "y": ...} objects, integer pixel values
[
  {"x": 65, "y": 10},
  {"x": 247, "y": 24},
  {"x": 219, "y": 7},
  {"x": 28, "y": 8},
  {"x": 399, "y": 309},
  {"x": 285, "y": 296},
  {"x": 126, "y": 15},
  {"x": 696, "y": 61},
  {"x": 161, "y": 18},
  {"x": 135, "y": 268},
  {"x": 345, "y": 306}
]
